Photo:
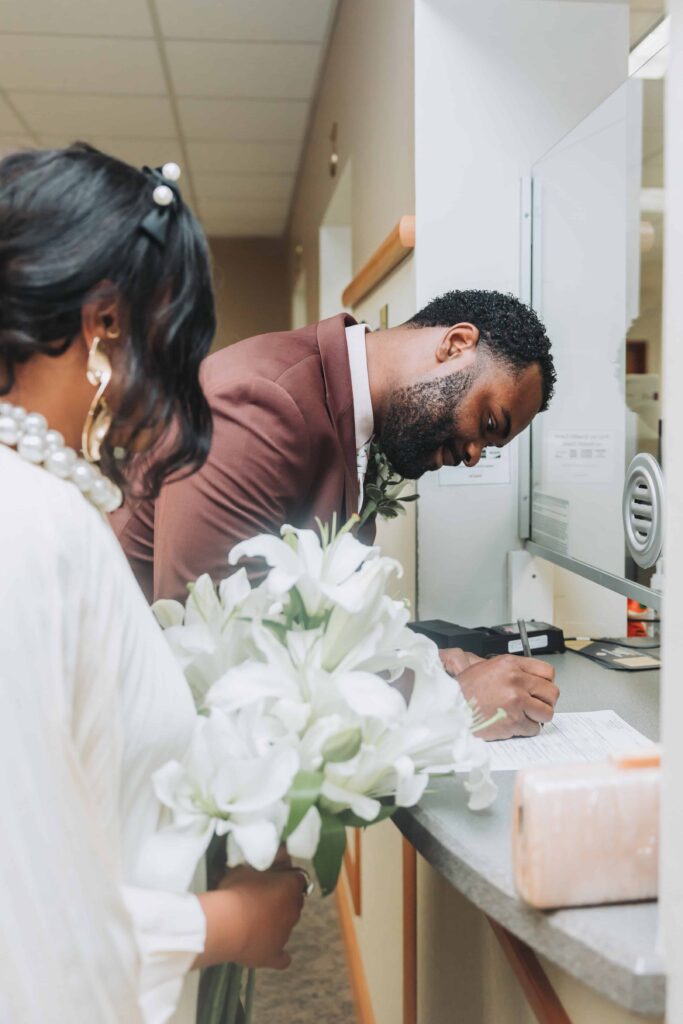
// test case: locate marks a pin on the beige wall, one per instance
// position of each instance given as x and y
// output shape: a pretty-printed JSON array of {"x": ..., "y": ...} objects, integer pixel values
[
  {"x": 252, "y": 293},
  {"x": 463, "y": 975},
  {"x": 367, "y": 89}
]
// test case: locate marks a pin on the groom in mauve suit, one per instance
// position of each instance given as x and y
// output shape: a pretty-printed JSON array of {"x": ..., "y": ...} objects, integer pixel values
[{"x": 294, "y": 413}]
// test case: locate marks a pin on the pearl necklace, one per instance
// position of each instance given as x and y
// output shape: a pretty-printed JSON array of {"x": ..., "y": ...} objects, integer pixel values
[{"x": 29, "y": 435}]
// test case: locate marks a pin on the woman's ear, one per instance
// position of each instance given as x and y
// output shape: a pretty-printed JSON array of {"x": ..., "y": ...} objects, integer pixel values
[
  {"x": 457, "y": 341},
  {"x": 101, "y": 314}
]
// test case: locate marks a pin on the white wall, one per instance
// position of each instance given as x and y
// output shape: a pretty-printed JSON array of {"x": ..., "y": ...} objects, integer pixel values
[{"x": 496, "y": 86}]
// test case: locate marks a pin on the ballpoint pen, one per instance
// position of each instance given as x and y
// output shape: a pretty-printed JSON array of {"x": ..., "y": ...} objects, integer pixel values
[
  {"x": 526, "y": 649},
  {"x": 523, "y": 636}
]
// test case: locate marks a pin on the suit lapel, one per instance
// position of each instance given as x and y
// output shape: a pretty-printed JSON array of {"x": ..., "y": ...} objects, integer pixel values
[{"x": 337, "y": 374}]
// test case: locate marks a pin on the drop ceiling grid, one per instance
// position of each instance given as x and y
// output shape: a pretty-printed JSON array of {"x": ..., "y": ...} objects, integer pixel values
[{"x": 224, "y": 90}]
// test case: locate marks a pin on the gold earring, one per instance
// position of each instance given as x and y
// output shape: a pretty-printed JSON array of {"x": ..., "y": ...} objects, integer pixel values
[{"x": 99, "y": 418}]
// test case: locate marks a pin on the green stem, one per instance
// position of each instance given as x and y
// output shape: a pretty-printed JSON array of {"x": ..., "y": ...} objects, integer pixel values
[
  {"x": 249, "y": 998},
  {"x": 234, "y": 995},
  {"x": 497, "y": 717},
  {"x": 222, "y": 984}
]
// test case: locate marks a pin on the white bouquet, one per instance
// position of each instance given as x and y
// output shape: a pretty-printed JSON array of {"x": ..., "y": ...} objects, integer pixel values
[{"x": 303, "y": 730}]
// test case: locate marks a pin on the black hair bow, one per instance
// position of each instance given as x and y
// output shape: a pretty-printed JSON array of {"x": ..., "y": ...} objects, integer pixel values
[{"x": 155, "y": 223}]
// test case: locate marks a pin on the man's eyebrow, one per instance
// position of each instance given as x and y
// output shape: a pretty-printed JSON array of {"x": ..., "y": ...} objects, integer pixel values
[{"x": 508, "y": 424}]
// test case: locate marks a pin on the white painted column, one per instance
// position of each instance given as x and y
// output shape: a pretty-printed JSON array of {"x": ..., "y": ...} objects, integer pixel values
[{"x": 672, "y": 672}]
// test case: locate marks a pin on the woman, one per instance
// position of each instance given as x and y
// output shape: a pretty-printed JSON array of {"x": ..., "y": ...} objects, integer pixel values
[{"x": 106, "y": 310}]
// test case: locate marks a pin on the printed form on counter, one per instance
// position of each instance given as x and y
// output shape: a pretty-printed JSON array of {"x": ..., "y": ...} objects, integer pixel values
[{"x": 570, "y": 737}]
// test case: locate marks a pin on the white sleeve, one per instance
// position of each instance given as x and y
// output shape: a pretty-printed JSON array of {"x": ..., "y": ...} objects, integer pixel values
[
  {"x": 77, "y": 947},
  {"x": 171, "y": 930},
  {"x": 67, "y": 950}
]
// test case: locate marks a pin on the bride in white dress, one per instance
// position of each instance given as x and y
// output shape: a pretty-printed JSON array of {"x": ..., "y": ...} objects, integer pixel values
[{"x": 105, "y": 313}]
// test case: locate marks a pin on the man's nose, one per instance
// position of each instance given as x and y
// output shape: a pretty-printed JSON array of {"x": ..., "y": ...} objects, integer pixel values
[{"x": 472, "y": 454}]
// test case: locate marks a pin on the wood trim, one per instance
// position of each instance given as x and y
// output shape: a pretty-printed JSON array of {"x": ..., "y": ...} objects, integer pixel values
[
  {"x": 354, "y": 960},
  {"x": 395, "y": 247},
  {"x": 409, "y": 933},
  {"x": 539, "y": 993},
  {"x": 354, "y": 865}
]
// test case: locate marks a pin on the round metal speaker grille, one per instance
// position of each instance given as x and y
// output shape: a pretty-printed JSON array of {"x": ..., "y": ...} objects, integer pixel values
[{"x": 643, "y": 508}]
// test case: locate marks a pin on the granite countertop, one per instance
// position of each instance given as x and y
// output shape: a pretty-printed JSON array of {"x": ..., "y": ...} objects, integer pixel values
[{"x": 610, "y": 948}]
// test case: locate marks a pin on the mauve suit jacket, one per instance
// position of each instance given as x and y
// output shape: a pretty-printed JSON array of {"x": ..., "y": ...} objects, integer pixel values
[{"x": 283, "y": 451}]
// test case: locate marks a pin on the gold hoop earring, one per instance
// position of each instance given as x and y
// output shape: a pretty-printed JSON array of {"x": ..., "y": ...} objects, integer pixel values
[{"x": 99, "y": 418}]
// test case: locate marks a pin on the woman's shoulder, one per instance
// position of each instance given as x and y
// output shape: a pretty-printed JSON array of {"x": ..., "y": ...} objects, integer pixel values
[
  {"x": 49, "y": 529},
  {"x": 35, "y": 500}
]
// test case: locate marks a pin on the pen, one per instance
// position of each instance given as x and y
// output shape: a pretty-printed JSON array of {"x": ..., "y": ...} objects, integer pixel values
[
  {"x": 526, "y": 649},
  {"x": 521, "y": 626}
]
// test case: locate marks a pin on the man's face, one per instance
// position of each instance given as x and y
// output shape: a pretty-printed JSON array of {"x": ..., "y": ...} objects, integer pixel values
[{"x": 449, "y": 419}]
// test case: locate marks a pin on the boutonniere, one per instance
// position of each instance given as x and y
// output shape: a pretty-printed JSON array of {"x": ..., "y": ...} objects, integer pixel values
[{"x": 383, "y": 487}]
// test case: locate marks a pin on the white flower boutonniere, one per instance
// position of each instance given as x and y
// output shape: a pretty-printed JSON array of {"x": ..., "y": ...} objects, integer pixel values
[{"x": 383, "y": 487}]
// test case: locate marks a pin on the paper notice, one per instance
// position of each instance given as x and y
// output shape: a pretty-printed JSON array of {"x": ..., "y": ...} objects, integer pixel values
[
  {"x": 570, "y": 737},
  {"x": 580, "y": 455}
]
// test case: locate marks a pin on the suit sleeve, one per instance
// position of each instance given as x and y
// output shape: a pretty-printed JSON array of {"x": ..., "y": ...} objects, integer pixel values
[{"x": 255, "y": 478}]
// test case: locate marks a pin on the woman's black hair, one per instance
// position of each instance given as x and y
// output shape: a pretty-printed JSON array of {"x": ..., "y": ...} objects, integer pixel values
[{"x": 70, "y": 222}]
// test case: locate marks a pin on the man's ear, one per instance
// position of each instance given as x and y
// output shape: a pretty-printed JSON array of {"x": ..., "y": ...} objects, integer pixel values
[
  {"x": 460, "y": 340},
  {"x": 101, "y": 314}
]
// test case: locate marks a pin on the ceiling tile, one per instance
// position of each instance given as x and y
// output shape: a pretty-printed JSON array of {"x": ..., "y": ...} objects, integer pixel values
[
  {"x": 138, "y": 152},
  {"x": 77, "y": 17},
  {"x": 285, "y": 71},
  {"x": 244, "y": 157},
  {"x": 244, "y": 186},
  {"x": 10, "y": 144},
  {"x": 75, "y": 116},
  {"x": 68, "y": 64},
  {"x": 295, "y": 20},
  {"x": 9, "y": 122},
  {"x": 243, "y": 119}
]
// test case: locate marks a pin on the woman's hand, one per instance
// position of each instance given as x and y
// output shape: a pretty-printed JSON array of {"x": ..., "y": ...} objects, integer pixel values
[{"x": 250, "y": 917}]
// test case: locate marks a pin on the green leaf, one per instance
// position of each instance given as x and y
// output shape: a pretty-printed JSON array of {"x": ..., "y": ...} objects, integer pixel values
[
  {"x": 303, "y": 793},
  {"x": 278, "y": 628},
  {"x": 297, "y": 607},
  {"x": 343, "y": 746},
  {"x": 410, "y": 497},
  {"x": 329, "y": 856}
]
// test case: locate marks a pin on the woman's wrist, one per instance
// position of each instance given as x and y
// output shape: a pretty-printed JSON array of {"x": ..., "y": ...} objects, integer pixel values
[{"x": 223, "y": 941}]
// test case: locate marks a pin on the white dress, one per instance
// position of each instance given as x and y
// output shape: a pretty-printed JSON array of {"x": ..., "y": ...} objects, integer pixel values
[{"x": 91, "y": 703}]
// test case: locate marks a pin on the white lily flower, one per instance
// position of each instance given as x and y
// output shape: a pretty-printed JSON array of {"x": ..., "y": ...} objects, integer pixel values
[
  {"x": 296, "y": 675},
  {"x": 303, "y": 842},
  {"x": 232, "y": 784}
]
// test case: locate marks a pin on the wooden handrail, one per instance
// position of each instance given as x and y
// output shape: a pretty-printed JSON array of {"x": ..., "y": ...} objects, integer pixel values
[{"x": 395, "y": 247}]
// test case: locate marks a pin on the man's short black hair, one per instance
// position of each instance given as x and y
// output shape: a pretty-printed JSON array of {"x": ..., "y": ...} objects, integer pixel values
[{"x": 508, "y": 328}]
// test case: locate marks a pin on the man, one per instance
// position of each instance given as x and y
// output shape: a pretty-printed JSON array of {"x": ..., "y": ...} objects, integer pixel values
[{"x": 294, "y": 414}]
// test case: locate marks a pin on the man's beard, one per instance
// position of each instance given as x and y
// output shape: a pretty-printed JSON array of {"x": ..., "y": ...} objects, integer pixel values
[{"x": 419, "y": 419}]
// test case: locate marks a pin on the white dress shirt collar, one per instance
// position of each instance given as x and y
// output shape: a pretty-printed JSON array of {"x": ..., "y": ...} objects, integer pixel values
[
  {"x": 360, "y": 384},
  {"x": 363, "y": 415}
]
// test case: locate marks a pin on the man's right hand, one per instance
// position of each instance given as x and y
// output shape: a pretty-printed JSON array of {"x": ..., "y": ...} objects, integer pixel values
[{"x": 523, "y": 687}]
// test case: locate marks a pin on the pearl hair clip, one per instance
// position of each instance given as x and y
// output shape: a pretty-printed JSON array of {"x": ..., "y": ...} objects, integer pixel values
[{"x": 166, "y": 196}]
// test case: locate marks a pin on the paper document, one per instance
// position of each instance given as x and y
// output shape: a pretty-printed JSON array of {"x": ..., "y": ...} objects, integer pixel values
[{"x": 571, "y": 736}]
